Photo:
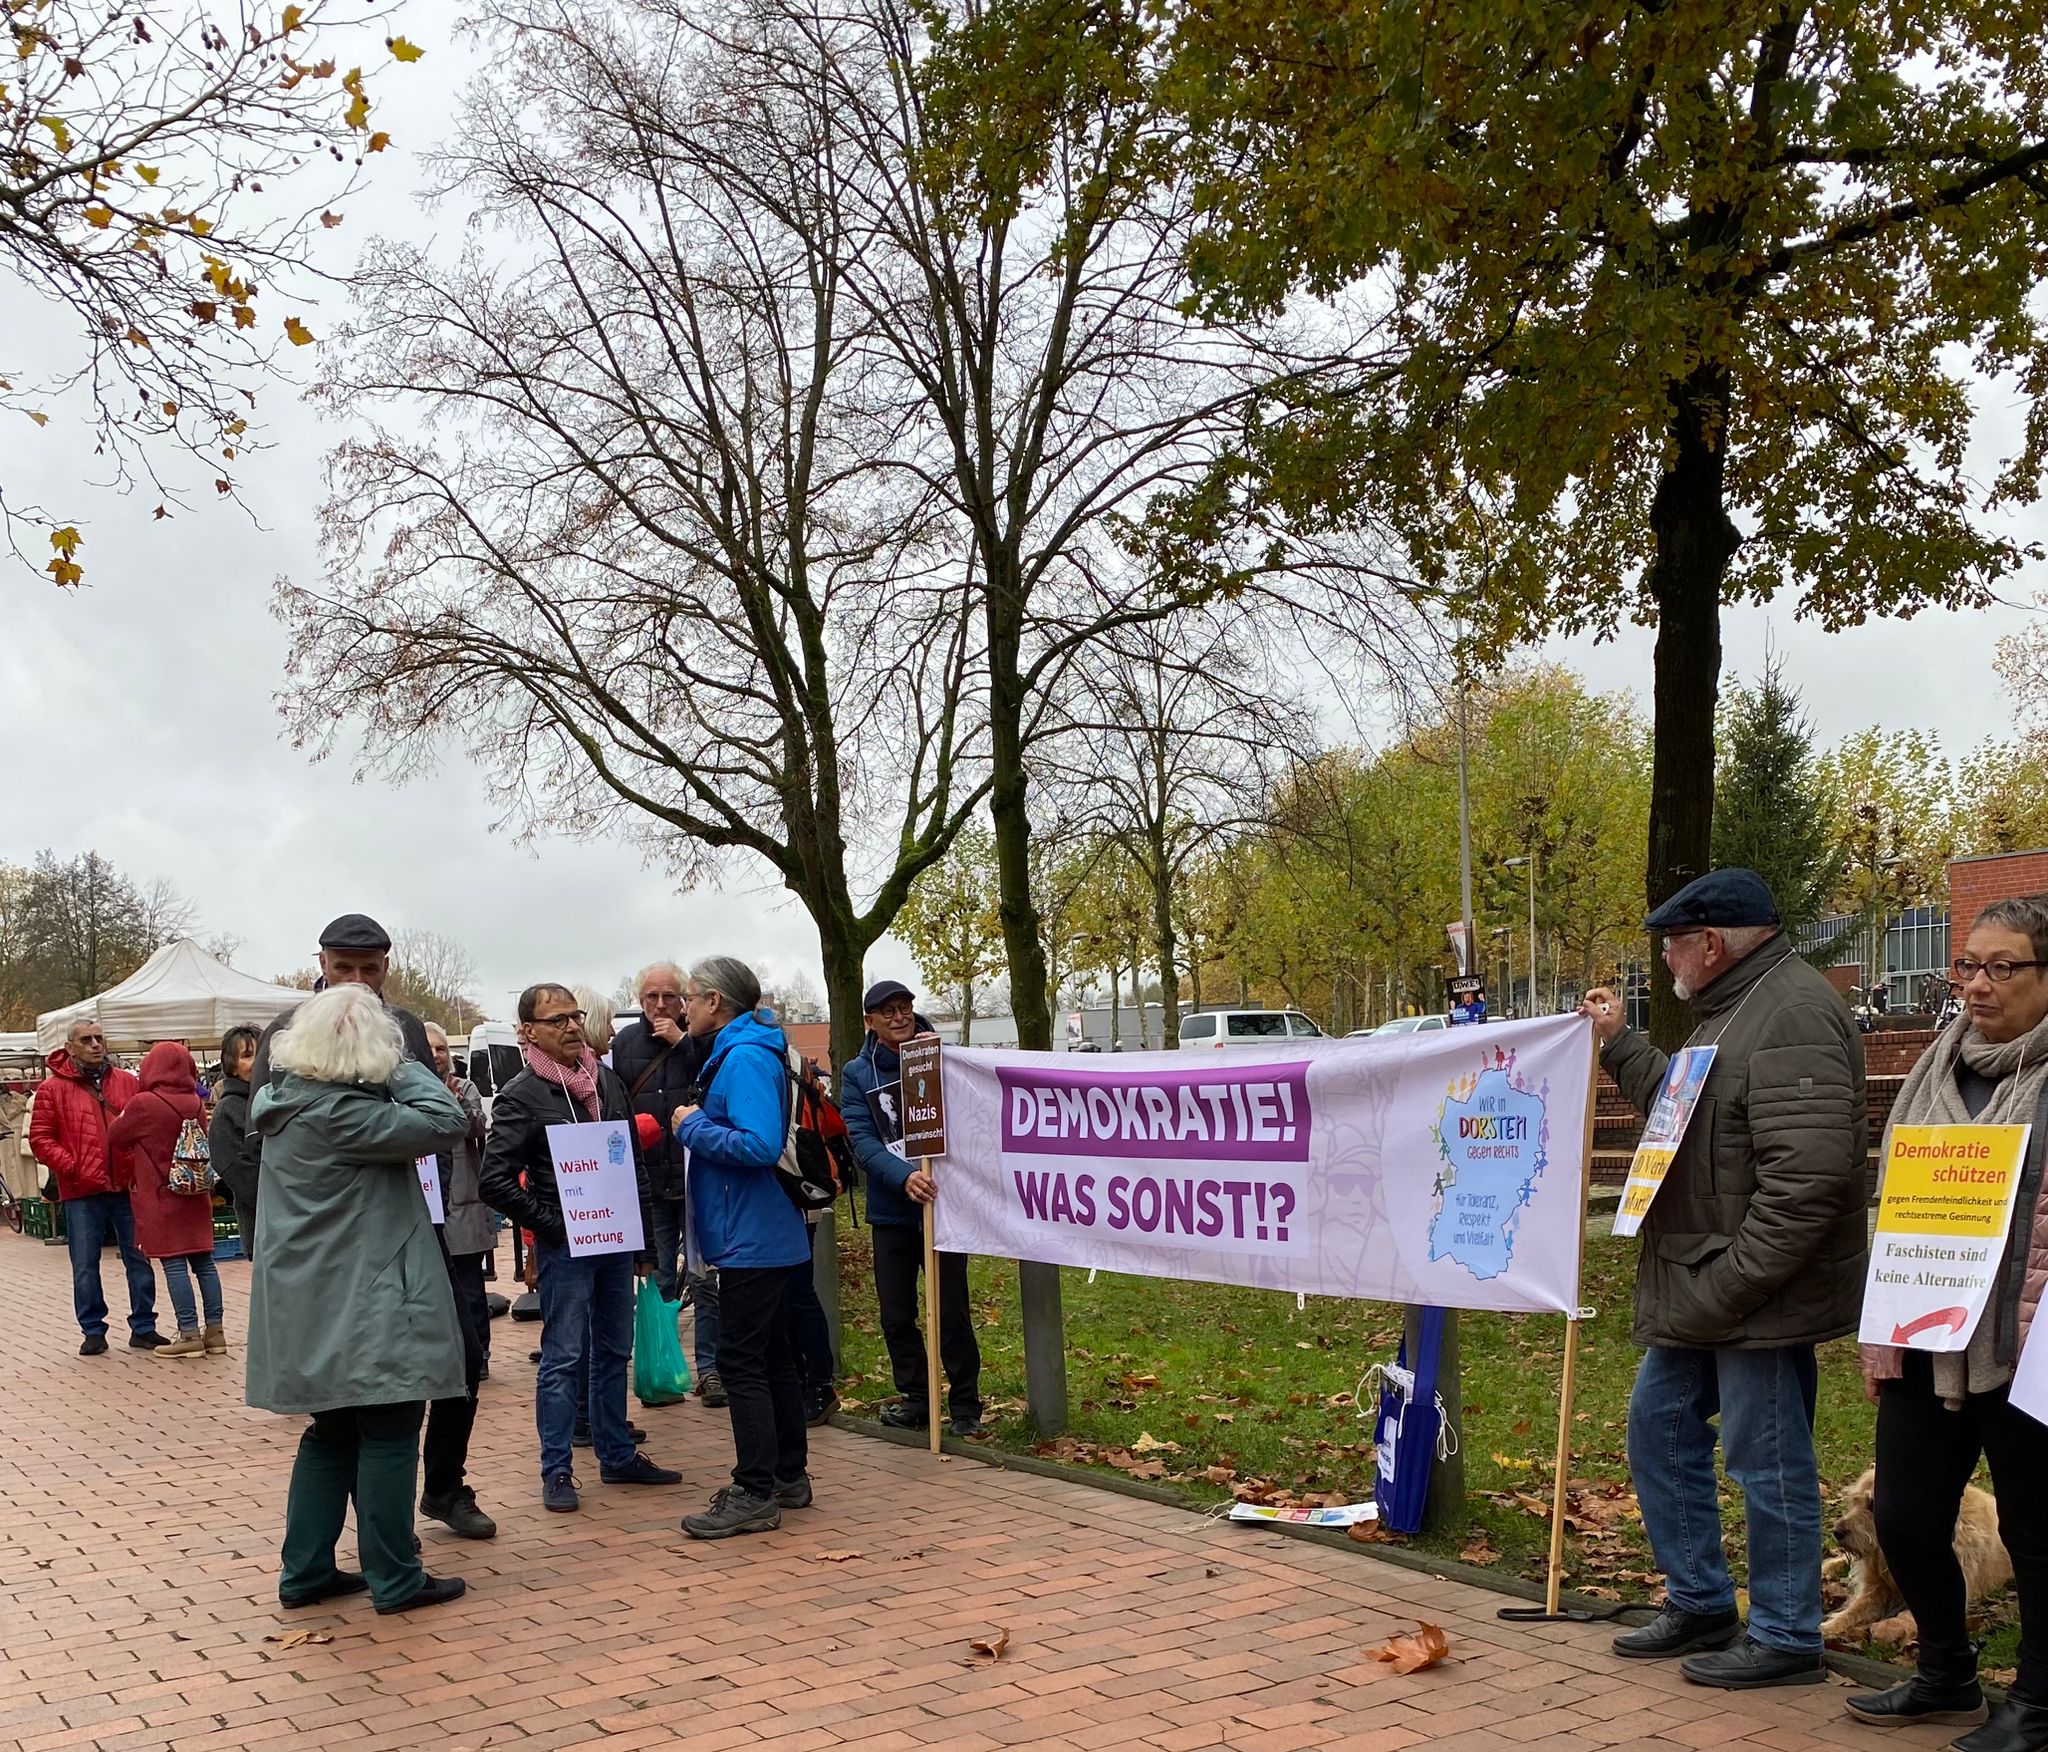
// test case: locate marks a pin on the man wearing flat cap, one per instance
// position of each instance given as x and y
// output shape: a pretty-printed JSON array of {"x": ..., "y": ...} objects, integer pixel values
[
  {"x": 898, "y": 1191},
  {"x": 1752, "y": 1254},
  {"x": 356, "y": 950}
]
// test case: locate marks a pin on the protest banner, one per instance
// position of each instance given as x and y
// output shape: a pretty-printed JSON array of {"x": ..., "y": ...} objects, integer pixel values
[
  {"x": 1446, "y": 1169},
  {"x": 599, "y": 1190},
  {"x": 1941, "y": 1227},
  {"x": 2029, "y": 1390},
  {"x": 430, "y": 1184},
  {"x": 1663, "y": 1131}
]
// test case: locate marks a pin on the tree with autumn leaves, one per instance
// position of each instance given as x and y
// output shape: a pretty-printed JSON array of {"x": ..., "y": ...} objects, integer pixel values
[
  {"x": 1686, "y": 305},
  {"x": 161, "y": 169}
]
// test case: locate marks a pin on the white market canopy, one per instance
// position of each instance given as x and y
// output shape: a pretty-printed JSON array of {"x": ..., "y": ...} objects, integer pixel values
[{"x": 179, "y": 993}]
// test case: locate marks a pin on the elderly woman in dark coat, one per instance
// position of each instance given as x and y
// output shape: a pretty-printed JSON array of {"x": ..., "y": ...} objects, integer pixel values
[{"x": 351, "y": 1318}]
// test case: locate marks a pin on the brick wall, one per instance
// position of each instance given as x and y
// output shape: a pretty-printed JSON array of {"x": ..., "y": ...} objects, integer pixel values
[{"x": 1974, "y": 883}]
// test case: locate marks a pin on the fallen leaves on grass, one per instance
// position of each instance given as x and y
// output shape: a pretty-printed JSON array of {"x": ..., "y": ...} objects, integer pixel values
[
  {"x": 1478, "y": 1550},
  {"x": 992, "y": 1645},
  {"x": 1410, "y": 1654},
  {"x": 292, "y": 1639},
  {"x": 1148, "y": 1443}
]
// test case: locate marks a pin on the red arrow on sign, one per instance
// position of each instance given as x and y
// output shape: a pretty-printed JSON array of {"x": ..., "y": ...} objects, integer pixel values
[{"x": 1952, "y": 1318}]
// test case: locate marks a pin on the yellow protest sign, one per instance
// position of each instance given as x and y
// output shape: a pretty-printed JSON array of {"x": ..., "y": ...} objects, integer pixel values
[{"x": 1941, "y": 1226}]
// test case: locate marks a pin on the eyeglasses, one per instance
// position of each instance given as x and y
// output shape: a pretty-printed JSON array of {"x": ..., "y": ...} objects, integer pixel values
[
  {"x": 1998, "y": 972},
  {"x": 567, "y": 1016},
  {"x": 90, "y": 1039},
  {"x": 700, "y": 997},
  {"x": 896, "y": 1011},
  {"x": 661, "y": 997}
]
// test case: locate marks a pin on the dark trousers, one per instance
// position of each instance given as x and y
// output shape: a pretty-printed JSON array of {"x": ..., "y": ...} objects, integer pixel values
[
  {"x": 445, "y": 1453},
  {"x": 88, "y": 1222},
  {"x": 757, "y": 1362},
  {"x": 672, "y": 1276},
  {"x": 370, "y": 1453},
  {"x": 245, "y": 1222},
  {"x": 899, "y": 1262},
  {"x": 1925, "y": 1455}
]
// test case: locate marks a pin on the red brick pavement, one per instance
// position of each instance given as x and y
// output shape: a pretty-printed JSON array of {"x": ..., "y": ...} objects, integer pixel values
[{"x": 140, "y": 1506}]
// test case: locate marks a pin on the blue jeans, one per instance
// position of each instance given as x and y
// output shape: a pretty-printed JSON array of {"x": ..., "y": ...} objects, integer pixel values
[
  {"x": 88, "y": 1222},
  {"x": 672, "y": 1277},
  {"x": 1765, "y": 1401},
  {"x": 178, "y": 1276},
  {"x": 583, "y": 1298}
]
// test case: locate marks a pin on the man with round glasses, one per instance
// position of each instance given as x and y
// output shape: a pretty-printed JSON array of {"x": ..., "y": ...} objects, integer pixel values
[{"x": 1753, "y": 1253}]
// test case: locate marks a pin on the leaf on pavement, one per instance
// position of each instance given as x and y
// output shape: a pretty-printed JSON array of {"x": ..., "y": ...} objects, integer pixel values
[
  {"x": 1410, "y": 1654},
  {"x": 992, "y": 1645},
  {"x": 292, "y": 1639}
]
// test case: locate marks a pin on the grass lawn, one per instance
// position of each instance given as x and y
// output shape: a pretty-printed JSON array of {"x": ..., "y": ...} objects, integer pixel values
[{"x": 1256, "y": 1398}]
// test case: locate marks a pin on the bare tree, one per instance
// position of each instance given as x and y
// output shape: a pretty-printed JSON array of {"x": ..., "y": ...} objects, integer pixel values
[
  {"x": 435, "y": 977},
  {"x": 162, "y": 914},
  {"x": 649, "y": 566},
  {"x": 1177, "y": 736}
]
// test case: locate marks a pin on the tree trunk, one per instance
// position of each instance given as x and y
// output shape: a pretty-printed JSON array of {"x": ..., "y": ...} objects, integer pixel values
[
  {"x": 1695, "y": 541},
  {"x": 1168, "y": 940},
  {"x": 1009, "y": 815},
  {"x": 1116, "y": 1038}
]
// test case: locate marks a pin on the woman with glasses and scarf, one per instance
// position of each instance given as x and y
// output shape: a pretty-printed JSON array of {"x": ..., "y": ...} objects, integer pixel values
[
  {"x": 587, "y": 1298},
  {"x": 1938, "y": 1414}
]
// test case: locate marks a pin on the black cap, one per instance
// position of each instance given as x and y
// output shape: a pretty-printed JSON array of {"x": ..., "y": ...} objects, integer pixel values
[
  {"x": 355, "y": 931},
  {"x": 1720, "y": 897},
  {"x": 882, "y": 991}
]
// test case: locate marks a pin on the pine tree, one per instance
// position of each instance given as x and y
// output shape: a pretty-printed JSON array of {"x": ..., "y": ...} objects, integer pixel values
[{"x": 1771, "y": 812}]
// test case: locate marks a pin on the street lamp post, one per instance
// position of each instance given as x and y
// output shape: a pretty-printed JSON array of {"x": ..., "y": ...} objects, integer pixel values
[{"x": 1516, "y": 864}]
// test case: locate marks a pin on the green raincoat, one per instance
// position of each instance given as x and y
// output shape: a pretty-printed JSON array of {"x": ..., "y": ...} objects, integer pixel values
[{"x": 350, "y": 1303}]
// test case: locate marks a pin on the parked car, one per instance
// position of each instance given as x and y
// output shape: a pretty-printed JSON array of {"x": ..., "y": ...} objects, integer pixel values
[
  {"x": 1219, "y": 1028},
  {"x": 1409, "y": 1025}
]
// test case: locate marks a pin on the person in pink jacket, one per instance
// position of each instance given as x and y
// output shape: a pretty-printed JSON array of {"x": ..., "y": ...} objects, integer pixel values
[{"x": 174, "y": 1228}]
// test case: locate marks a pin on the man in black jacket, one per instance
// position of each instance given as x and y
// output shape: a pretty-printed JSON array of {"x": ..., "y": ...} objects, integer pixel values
[
  {"x": 658, "y": 1062},
  {"x": 582, "y": 1296}
]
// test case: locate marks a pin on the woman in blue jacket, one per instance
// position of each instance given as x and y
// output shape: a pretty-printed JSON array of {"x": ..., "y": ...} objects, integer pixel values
[{"x": 747, "y": 1227}]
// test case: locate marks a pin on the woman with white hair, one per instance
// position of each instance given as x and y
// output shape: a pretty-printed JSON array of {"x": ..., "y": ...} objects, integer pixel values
[{"x": 351, "y": 1318}]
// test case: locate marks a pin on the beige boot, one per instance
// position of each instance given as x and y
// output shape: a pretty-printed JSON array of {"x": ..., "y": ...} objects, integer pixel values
[
  {"x": 186, "y": 1344},
  {"x": 216, "y": 1341}
]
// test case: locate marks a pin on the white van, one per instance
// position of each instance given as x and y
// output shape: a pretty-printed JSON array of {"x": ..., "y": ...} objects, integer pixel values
[
  {"x": 1220, "y": 1028},
  {"x": 494, "y": 1058}
]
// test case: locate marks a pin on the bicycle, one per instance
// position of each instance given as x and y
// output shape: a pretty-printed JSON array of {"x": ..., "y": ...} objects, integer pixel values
[{"x": 11, "y": 1211}]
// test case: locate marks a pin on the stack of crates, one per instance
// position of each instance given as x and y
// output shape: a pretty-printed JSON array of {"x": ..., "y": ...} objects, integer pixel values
[{"x": 42, "y": 1220}]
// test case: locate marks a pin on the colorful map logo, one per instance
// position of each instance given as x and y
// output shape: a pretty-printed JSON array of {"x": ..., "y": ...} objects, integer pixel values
[{"x": 1493, "y": 1141}]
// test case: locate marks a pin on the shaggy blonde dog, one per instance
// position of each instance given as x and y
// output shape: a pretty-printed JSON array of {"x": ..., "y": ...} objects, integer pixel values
[{"x": 1874, "y": 1607}]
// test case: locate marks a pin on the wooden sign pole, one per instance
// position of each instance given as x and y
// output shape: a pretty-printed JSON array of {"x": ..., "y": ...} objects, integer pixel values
[
  {"x": 1553, "y": 1587},
  {"x": 921, "y": 1088}
]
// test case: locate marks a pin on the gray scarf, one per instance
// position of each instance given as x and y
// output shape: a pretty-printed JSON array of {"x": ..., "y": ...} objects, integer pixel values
[{"x": 1930, "y": 1096}]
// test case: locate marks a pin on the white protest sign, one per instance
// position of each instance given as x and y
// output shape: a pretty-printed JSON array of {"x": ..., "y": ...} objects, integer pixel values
[
  {"x": 595, "y": 1181},
  {"x": 2029, "y": 1391},
  {"x": 1670, "y": 1114},
  {"x": 1941, "y": 1228},
  {"x": 430, "y": 1184},
  {"x": 1441, "y": 1169}
]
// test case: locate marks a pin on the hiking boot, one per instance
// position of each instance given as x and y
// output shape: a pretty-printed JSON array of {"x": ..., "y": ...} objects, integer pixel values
[
  {"x": 822, "y": 1408},
  {"x": 147, "y": 1341},
  {"x": 186, "y": 1344},
  {"x": 901, "y": 1416},
  {"x": 94, "y": 1344},
  {"x": 344, "y": 1582},
  {"x": 2019, "y": 1726},
  {"x": 558, "y": 1492},
  {"x": 1919, "y": 1699},
  {"x": 639, "y": 1470},
  {"x": 733, "y": 1511},
  {"x": 457, "y": 1511},
  {"x": 711, "y": 1390},
  {"x": 1751, "y": 1665},
  {"x": 1673, "y": 1632},
  {"x": 434, "y": 1591},
  {"x": 968, "y": 1425},
  {"x": 794, "y": 1493},
  {"x": 216, "y": 1341}
]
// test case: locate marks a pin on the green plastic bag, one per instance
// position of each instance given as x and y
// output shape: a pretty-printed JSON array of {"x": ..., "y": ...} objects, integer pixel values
[{"x": 661, "y": 1373}]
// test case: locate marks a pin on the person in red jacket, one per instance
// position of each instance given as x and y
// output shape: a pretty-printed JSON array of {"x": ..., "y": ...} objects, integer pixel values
[
  {"x": 75, "y": 1106},
  {"x": 174, "y": 1227}
]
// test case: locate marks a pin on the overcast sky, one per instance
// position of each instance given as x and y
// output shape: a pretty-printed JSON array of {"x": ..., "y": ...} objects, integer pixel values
[{"x": 137, "y": 714}]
